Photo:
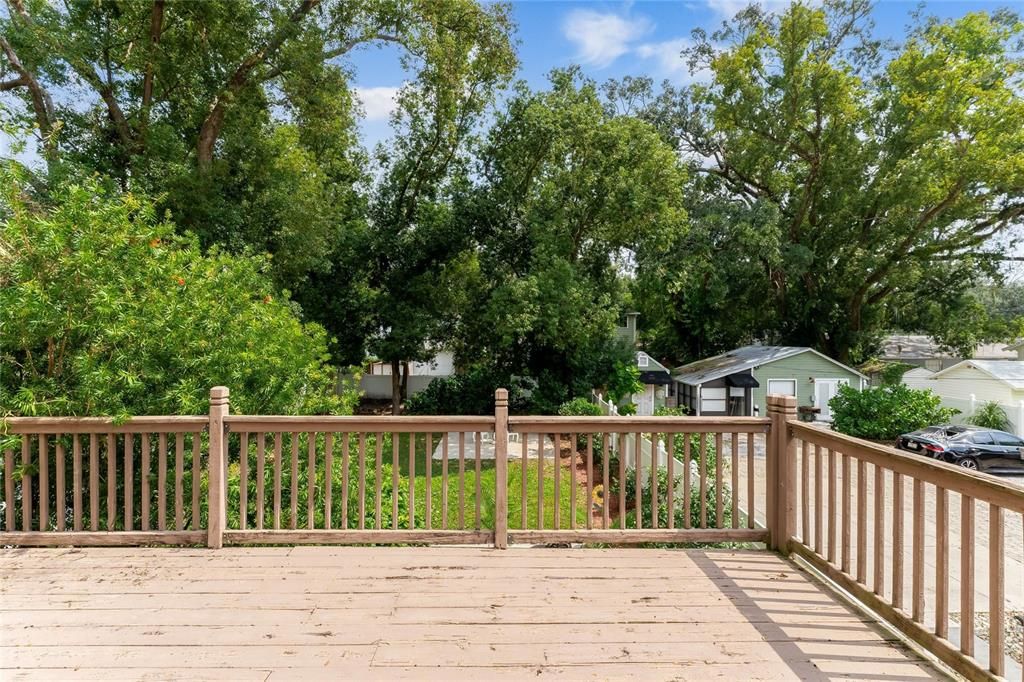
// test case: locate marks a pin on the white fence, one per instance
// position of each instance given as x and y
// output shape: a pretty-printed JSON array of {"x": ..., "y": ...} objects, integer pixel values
[
  {"x": 967, "y": 407},
  {"x": 609, "y": 409},
  {"x": 378, "y": 386}
]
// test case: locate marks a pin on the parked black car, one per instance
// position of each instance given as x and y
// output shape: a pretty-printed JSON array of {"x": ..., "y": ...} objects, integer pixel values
[{"x": 971, "y": 447}]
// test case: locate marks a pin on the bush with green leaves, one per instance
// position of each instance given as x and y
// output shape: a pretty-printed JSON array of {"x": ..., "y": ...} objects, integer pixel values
[
  {"x": 682, "y": 515},
  {"x": 467, "y": 393},
  {"x": 991, "y": 416},
  {"x": 108, "y": 312},
  {"x": 883, "y": 413}
]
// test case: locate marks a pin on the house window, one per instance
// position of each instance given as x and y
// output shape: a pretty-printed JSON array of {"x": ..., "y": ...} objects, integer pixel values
[
  {"x": 712, "y": 400},
  {"x": 782, "y": 387},
  {"x": 641, "y": 360}
]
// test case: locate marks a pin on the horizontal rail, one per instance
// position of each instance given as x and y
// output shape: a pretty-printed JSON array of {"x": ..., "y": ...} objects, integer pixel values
[
  {"x": 357, "y": 537},
  {"x": 70, "y": 425},
  {"x": 631, "y": 424},
  {"x": 331, "y": 424},
  {"x": 625, "y": 537},
  {"x": 103, "y": 539},
  {"x": 948, "y": 476}
]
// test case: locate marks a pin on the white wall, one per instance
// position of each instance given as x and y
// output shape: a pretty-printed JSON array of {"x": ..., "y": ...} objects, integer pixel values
[
  {"x": 442, "y": 365},
  {"x": 378, "y": 386},
  {"x": 957, "y": 389}
]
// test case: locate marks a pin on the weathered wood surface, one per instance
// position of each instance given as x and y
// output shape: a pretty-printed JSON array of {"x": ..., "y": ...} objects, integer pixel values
[{"x": 429, "y": 613}]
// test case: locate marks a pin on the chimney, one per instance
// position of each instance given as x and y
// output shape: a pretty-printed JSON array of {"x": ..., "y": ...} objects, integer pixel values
[{"x": 631, "y": 318}]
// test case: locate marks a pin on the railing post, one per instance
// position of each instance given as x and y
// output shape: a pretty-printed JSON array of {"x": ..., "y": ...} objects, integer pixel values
[
  {"x": 781, "y": 472},
  {"x": 217, "y": 463},
  {"x": 501, "y": 468}
]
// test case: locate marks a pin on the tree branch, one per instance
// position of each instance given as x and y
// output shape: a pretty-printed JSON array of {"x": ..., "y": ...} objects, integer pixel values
[
  {"x": 42, "y": 103},
  {"x": 156, "y": 22}
]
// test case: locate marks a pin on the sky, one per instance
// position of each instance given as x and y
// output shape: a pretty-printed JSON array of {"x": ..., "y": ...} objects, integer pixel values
[{"x": 612, "y": 40}]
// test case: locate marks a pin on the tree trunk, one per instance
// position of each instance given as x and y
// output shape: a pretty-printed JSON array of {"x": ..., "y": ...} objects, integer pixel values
[
  {"x": 404, "y": 390},
  {"x": 396, "y": 387}
]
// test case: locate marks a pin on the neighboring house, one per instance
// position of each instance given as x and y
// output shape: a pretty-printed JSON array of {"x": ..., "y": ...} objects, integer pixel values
[
  {"x": 1018, "y": 348},
  {"x": 968, "y": 385},
  {"x": 655, "y": 376},
  {"x": 736, "y": 383},
  {"x": 376, "y": 382},
  {"x": 924, "y": 351}
]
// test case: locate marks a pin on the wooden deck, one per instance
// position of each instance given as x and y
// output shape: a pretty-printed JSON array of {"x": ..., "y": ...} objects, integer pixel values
[{"x": 429, "y": 613}]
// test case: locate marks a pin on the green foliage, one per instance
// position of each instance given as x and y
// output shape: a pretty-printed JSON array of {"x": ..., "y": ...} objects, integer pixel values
[
  {"x": 991, "y": 416},
  {"x": 847, "y": 187},
  {"x": 682, "y": 515},
  {"x": 467, "y": 393},
  {"x": 624, "y": 381},
  {"x": 108, "y": 312},
  {"x": 883, "y": 413},
  {"x": 579, "y": 407},
  {"x": 892, "y": 373}
]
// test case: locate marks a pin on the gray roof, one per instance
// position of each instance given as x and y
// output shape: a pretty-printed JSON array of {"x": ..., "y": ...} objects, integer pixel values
[
  {"x": 923, "y": 347},
  {"x": 740, "y": 360},
  {"x": 1008, "y": 371}
]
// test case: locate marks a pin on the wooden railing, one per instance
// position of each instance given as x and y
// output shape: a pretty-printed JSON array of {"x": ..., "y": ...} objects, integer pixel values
[{"x": 871, "y": 517}]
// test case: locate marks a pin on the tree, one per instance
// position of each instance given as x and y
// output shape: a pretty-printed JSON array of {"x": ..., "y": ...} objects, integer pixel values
[
  {"x": 888, "y": 177},
  {"x": 239, "y": 118},
  {"x": 416, "y": 251},
  {"x": 570, "y": 199},
  {"x": 108, "y": 312}
]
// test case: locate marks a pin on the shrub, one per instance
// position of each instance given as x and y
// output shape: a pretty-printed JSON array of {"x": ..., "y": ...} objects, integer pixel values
[
  {"x": 885, "y": 412},
  {"x": 991, "y": 416},
  {"x": 579, "y": 407},
  {"x": 467, "y": 393},
  {"x": 108, "y": 312}
]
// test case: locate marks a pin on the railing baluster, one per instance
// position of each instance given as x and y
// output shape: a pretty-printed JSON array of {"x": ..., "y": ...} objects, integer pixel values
[
  {"x": 687, "y": 479},
  {"x": 572, "y": 481},
  {"x": 44, "y": 483},
  {"x": 395, "y": 438},
  {"x": 197, "y": 478},
  {"x": 819, "y": 501},
  {"x": 412, "y": 478},
  {"x": 61, "y": 503},
  {"x": 243, "y": 480},
  {"x": 540, "y": 481},
  {"x": 261, "y": 501},
  {"x": 719, "y": 483},
  {"x": 735, "y": 448},
  {"x": 444, "y": 481},
  {"x": 378, "y": 479},
  {"x": 143, "y": 482},
  {"x": 897, "y": 540},
  {"x": 833, "y": 475},
  {"x": 293, "y": 507},
  {"x": 879, "y": 533},
  {"x": 345, "y": 441},
  {"x": 622, "y": 481},
  {"x": 523, "y": 492},
  {"x": 670, "y": 502},
  {"x": 751, "y": 489},
  {"x": 428, "y": 498},
  {"x": 941, "y": 562},
  {"x": 654, "y": 481},
  {"x": 556, "y": 445},
  {"x": 638, "y": 480},
  {"x": 703, "y": 480},
  {"x": 605, "y": 486},
  {"x": 278, "y": 465},
  {"x": 329, "y": 479},
  {"x": 179, "y": 480},
  {"x": 9, "y": 490},
  {"x": 590, "y": 481},
  {"x": 917, "y": 552},
  {"x": 967, "y": 574},
  {"x": 161, "y": 482},
  {"x": 310, "y": 480},
  {"x": 805, "y": 487},
  {"x": 462, "y": 481},
  {"x": 847, "y": 520},
  {"x": 862, "y": 522},
  {"x": 362, "y": 482},
  {"x": 477, "y": 456},
  {"x": 129, "y": 483},
  {"x": 26, "y": 483},
  {"x": 996, "y": 591}
]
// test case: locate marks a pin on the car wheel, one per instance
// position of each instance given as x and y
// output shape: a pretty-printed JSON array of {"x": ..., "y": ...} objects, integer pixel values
[{"x": 969, "y": 463}]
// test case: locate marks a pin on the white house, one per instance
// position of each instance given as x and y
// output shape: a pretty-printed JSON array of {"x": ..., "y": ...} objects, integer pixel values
[
  {"x": 968, "y": 385},
  {"x": 376, "y": 382}
]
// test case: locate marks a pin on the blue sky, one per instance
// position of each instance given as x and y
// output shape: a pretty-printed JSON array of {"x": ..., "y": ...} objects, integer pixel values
[{"x": 613, "y": 39}]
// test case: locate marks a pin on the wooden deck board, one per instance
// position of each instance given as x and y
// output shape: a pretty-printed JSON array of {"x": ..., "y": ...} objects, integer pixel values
[{"x": 419, "y": 613}]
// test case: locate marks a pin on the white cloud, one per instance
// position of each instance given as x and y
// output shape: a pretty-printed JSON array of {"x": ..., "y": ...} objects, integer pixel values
[
  {"x": 729, "y": 8},
  {"x": 378, "y": 102},
  {"x": 669, "y": 62},
  {"x": 601, "y": 38}
]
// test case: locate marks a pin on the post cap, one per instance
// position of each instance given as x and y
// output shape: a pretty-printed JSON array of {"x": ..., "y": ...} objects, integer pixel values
[
  {"x": 219, "y": 394},
  {"x": 501, "y": 396}
]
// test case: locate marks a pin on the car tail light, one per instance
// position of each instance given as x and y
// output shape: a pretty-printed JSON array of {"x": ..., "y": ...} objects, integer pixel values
[{"x": 933, "y": 448}]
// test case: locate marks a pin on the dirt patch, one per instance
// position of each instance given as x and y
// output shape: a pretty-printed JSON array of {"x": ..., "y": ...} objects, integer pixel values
[{"x": 1014, "y": 634}]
